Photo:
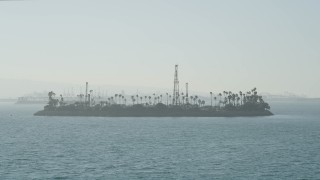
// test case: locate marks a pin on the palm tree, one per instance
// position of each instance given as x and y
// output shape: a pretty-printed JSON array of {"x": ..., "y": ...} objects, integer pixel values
[
  {"x": 211, "y": 98},
  {"x": 120, "y": 97},
  {"x": 234, "y": 99},
  {"x": 238, "y": 99},
  {"x": 137, "y": 98},
  {"x": 167, "y": 98},
  {"x": 240, "y": 92},
  {"x": 261, "y": 99},
  {"x": 182, "y": 97},
  {"x": 52, "y": 101},
  {"x": 101, "y": 104},
  {"x": 199, "y": 102},
  {"x": 224, "y": 94},
  {"x": 132, "y": 98},
  {"x": 91, "y": 98},
  {"x": 203, "y": 102},
  {"x": 61, "y": 99},
  {"x": 215, "y": 101},
  {"x": 253, "y": 90},
  {"x": 116, "y": 95},
  {"x": 229, "y": 98},
  {"x": 225, "y": 101},
  {"x": 195, "y": 99},
  {"x": 51, "y": 94}
]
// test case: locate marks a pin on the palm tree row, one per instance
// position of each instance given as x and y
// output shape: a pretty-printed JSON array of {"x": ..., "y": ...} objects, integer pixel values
[
  {"x": 228, "y": 98},
  {"x": 223, "y": 100},
  {"x": 119, "y": 99},
  {"x": 220, "y": 99}
]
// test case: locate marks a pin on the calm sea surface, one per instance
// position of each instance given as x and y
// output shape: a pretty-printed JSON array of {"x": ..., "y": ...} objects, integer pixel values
[{"x": 284, "y": 146}]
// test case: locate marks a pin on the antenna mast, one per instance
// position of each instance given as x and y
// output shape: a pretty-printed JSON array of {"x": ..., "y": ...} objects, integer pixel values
[
  {"x": 175, "y": 96},
  {"x": 86, "y": 96}
]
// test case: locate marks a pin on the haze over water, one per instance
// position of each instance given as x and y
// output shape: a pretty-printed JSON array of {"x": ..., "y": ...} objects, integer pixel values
[
  {"x": 284, "y": 146},
  {"x": 219, "y": 45},
  {"x": 130, "y": 47}
]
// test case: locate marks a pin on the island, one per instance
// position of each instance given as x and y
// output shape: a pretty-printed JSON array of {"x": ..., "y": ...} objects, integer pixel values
[
  {"x": 177, "y": 104},
  {"x": 226, "y": 104}
]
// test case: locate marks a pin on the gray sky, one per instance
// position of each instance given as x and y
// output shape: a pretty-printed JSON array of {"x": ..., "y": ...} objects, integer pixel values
[{"x": 273, "y": 45}]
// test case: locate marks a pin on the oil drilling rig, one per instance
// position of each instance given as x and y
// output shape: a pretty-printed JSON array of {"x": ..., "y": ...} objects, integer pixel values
[{"x": 176, "y": 94}]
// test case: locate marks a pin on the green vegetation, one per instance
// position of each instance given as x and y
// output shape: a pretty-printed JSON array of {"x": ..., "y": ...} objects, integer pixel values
[{"x": 221, "y": 104}]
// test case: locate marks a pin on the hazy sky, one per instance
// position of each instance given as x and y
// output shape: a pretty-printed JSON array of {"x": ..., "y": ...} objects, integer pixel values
[{"x": 273, "y": 45}]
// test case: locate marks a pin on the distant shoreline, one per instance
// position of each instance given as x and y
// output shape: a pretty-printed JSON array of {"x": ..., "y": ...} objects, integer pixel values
[{"x": 8, "y": 100}]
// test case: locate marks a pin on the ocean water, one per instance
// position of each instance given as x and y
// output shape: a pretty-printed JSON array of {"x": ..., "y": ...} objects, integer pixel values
[{"x": 284, "y": 146}]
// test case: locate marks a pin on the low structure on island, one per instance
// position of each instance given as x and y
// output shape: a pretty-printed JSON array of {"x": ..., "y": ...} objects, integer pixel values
[{"x": 179, "y": 104}]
